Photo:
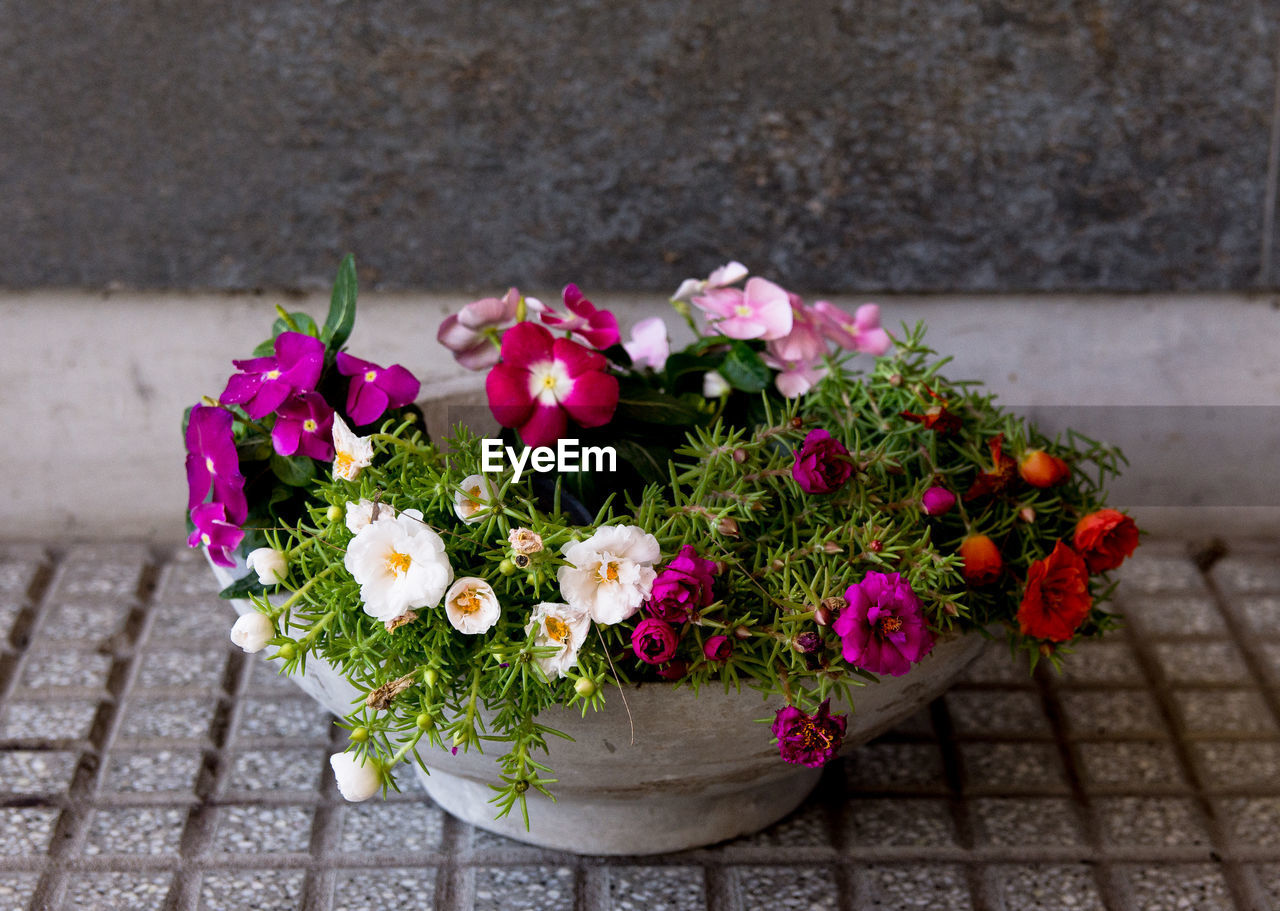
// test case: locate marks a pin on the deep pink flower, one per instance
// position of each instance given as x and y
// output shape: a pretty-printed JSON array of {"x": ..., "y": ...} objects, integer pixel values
[
  {"x": 682, "y": 587},
  {"x": 304, "y": 424},
  {"x": 822, "y": 463},
  {"x": 464, "y": 333},
  {"x": 799, "y": 355},
  {"x": 809, "y": 740},
  {"x": 760, "y": 310},
  {"x": 542, "y": 382},
  {"x": 649, "y": 345},
  {"x": 883, "y": 629},
  {"x": 212, "y": 462},
  {"x": 597, "y": 328},
  {"x": 718, "y": 648},
  {"x": 673, "y": 671},
  {"x": 654, "y": 641},
  {"x": 374, "y": 389},
  {"x": 860, "y": 332},
  {"x": 215, "y": 532},
  {"x": 937, "y": 501},
  {"x": 265, "y": 382}
]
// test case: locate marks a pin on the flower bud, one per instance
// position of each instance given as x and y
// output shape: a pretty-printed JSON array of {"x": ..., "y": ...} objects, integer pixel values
[
  {"x": 718, "y": 649},
  {"x": 831, "y": 547},
  {"x": 431, "y": 676},
  {"x": 424, "y": 721},
  {"x": 252, "y": 631},
  {"x": 714, "y": 385},
  {"x": 584, "y": 687},
  {"x": 270, "y": 565},
  {"x": 356, "y": 781},
  {"x": 506, "y": 567},
  {"x": 728, "y": 527},
  {"x": 1027, "y": 514},
  {"x": 333, "y": 513},
  {"x": 875, "y": 545},
  {"x": 741, "y": 632},
  {"x": 937, "y": 501},
  {"x": 823, "y": 616},
  {"x": 982, "y": 560},
  {"x": 739, "y": 456},
  {"x": 288, "y": 651},
  {"x": 358, "y": 735},
  {"x": 950, "y": 610},
  {"x": 1039, "y": 469}
]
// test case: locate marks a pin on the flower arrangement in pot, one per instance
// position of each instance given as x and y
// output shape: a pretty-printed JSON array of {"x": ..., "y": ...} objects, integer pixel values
[{"x": 742, "y": 554}]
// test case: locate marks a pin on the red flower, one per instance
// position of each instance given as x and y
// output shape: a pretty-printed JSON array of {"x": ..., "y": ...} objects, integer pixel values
[
  {"x": 1000, "y": 474},
  {"x": 1056, "y": 599},
  {"x": 1104, "y": 538},
  {"x": 542, "y": 382},
  {"x": 937, "y": 418},
  {"x": 1039, "y": 469},
  {"x": 597, "y": 328},
  {"x": 982, "y": 561}
]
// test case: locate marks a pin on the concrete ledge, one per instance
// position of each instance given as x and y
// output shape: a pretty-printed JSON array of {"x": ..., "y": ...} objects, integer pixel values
[{"x": 94, "y": 386}]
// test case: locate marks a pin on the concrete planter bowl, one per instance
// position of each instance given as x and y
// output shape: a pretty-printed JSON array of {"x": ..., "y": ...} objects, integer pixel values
[{"x": 698, "y": 770}]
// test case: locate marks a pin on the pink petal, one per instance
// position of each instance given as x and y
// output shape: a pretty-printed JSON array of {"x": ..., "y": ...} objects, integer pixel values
[
  {"x": 867, "y": 317},
  {"x": 454, "y": 335},
  {"x": 719, "y": 302},
  {"x": 271, "y": 395},
  {"x": 349, "y": 365},
  {"x": 365, "y": 402},
  {"x": 486, "y": 312},
  {"x": 400, "y": 385},
  {"x": 241, "y": 387},
  {"x": 546, "y": 425},
  {"x": 198, "y": 479},
  {"x": 286, "y": 435},
  {"x": 874, "y": 341},
  {"x": 593, "y": 399},
  {"x": 480, "y": 356},
  {"x": 727, "y": 275},
  {"x": 296, "y": 347},
  {"x": 576, "y": 359},
  {"x": 649, "y": 345},
  {"x": 507, "y": 388},
  {"x": 256, "y": 365},
  {"x": 526, "y": 343},
  {"x": 771, "y": 305},
  {"x": 741, "y": 327}
]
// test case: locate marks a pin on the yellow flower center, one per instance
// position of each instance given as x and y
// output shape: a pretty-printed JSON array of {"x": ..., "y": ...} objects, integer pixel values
[
  {"x": 890, "y": 625},
  {"x": 272, "y": 374},
  {"x": 398, "y": 563},
  {"x": 309, "y": 425},
  {"x": 548, "y": 382},
  {"x": 468, "y": 602},
  {"x": 608, "y": 572},
  {"x": 742, "y": 310},
  {"x": 371, "y": 376},
  {"x": 343, "y": 461},
  {"x": 557, "y": 629}
]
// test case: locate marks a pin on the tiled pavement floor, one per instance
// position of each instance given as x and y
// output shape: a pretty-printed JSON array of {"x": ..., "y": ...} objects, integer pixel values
[{"x": 145, "y": 763}]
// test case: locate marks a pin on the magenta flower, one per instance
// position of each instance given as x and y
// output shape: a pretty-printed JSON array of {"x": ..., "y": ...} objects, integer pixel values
[
  {"x": 215, "y": 532},
  {"x": 760, "y": 310},
  {"x": 654, "y": 641},
  {"x": 649, "y": 345},
  {"x": 597, "y": 328},
  {"x": 673, "y": 671},
  {"x": 883, "y": 629},
  {"x": 212, "y": 462},
  {"x": 465, "y": 333},
  {"x": 937, "y": 501},
  {"x": 808, "y": 740},
  {"x": 822, "y": 463},
  {"x": 860, "y": 332},
  {"x": 799, "y": 355},
  {"x": 682, "y": 587},
  {"x": 265, "y": 382},
  {"x": 374, "y": 389},
  {"x": 541, "y": 382},
  {"x": 304, "y": 424},
  {"x": 718, "y": 648}
]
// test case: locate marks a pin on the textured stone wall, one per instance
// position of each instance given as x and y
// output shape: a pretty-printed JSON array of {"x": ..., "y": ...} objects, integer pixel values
[{"x": 849, "y": 144}]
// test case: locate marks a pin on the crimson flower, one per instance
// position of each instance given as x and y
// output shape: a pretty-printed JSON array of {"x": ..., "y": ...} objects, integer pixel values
[
  {"x": 597, "y": 328},
  {"x": 265, "y": 382},
  {"x": 808, "y": 740},
  {"x": 541, "y": 382},
  {"x": 374, "y": 389},
  {"x": 212, "y": 462},
  {"x": 215, "y": 532},
  {"x": 304, "y": 424}
]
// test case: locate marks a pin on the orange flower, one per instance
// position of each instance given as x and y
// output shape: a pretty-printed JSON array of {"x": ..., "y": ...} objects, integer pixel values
[
  {"x": 982, "y": 561},
  {"x": 1056, "y": 599},
  {"x": 1039, "y": 469},
  {"x": 1104, "y": 538}
]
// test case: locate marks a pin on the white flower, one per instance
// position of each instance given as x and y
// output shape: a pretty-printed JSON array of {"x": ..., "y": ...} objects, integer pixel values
[
  {"x": 252, "y": 631},
  {"x": 359, "y": 515},
  {"x": 471, "y": 606},
  {"x": 270, "y": 565},
  {"x": 356, "y": 782},
  {"x": 562, "y": 626},
  {"x": 473, "y": 499},
  {"x": 400, "y": 564},
  {"x": 350, "y": 452},
  {"x": 714, "y": 385},
  {"x": 611, "y": 573}
]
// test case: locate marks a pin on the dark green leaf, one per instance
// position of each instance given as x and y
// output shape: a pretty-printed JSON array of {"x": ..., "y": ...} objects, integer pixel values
[
  {"x": 342, "y": 306},
  {"x": 265, "y": 348},
  {"x": 648, "y": 461},
  {"x": 743, "y": 369},
  {"x": 296, "y": 471},
  {"x": 682, "y": 364},
  {"x": 242, "y": 587},
  {"x": 304, "y": 323},
  {"x": 652, "y": 407}
]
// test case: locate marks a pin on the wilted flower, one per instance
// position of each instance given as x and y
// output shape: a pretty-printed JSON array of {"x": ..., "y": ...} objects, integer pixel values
[
  {"x": 304, "y": 424},
  {"x": 597, "y": 328},
  {"x": 883, "y": 630},
  {"x": 473, "y": 499},
  {"x": 212, "y": 462},
  {"x": 649, "y": 345},
  {"x": 471, "y": 605},
  {"x": 860, "y": 332},
  {"x": 610, "y": 574},
  {"x": 654, "y": 641},
  {"x": 559, "y": 625},
  {"x": 525, "y": 541},
  {"x": 822, "y": 464},
  {"x": 265, "y": 382},
  {"x": 1056, "y": 599},
  {"x": 374, "y": 389},
  {"x": 808, "y": 740},
  {"x": 400, "y": 564},
  {"x": 356, "y": 781},
  {"x": 351, "y": 453},
  {"x": 1105, "y": 538},
  {"x": 995, "y": 479},
  {"x": 760, "y": 310},
  {"x": 212, "y": 529},
  {"x": 252, "y": 631},
  {"x": 683, "y": 586},
  {"x": 270, "y": 565}
]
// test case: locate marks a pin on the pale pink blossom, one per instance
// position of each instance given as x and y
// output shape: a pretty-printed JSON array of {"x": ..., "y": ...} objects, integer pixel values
[
  {"x": 760, "y": 310},
  {"x": 649, "y": 345},
  {"x": 464, "y": 333},
  {"x": 728, "y": 274},
  {"x": 860, "y": 332}
]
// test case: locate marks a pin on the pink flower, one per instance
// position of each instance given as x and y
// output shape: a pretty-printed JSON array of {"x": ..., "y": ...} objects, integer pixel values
[
  {"x": 215, "y": 532},
  {"x": 718, "y": 649},
  {"x": 541, "y": 382},
  {"x": 808, "y": 740},
  {"x": 304, "y": 424},
  {"x": 464, "y": 333},
  {"x": 683, "y": 586},
  {"x": 937, "y": 501},
  {"x": 265, "y": 382},
  {"x": 212, "y": 462},
  {"x": 860, "y": 332},
  {"x": 883, "y": 629},
  {"x": 760, "y": 310},
  {"x": 799, "y": 355},
  {"x": 374, "y": 389},
  {"x": 597, "y": 328},
  {"x": 649, "y": 346},
  {"x": 821, "y": 463},
  {"x": 728, "y": 274},
  {"x": 654, "y": 641}
]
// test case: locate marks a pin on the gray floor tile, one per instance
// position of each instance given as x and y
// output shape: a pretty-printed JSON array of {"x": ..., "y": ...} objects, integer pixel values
[
  {"x": 636, "y": 888},
  {"x": 1047, "y": 887},
  {"x": 261, "y": 890},
  {"x": 133, "y": 891},
  {"x": 524, "y": 889}
]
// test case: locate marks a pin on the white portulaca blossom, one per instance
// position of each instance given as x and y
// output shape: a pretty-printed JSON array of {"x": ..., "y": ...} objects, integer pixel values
[
  {"x": 473, "y": 499},
  {"x": 400, "y": 564},
  {"x": 356, "y": 781},
  {"x": 351, "y": 453},
  {"x": 561, "y": 626},
  {"x": 252, "y": 631},
  {"x": 471, "y": 606},
  {"x": 270, "y": 565},
  {"x": 714, "y": 385},
  {"x": 359, "y": 515},
  {"x": 610, "y": 574}
]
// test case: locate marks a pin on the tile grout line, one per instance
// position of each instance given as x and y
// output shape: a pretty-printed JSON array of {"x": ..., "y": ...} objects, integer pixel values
[
  {"x": 954, "y": 772},
  {"x": 321, "y": 877}
]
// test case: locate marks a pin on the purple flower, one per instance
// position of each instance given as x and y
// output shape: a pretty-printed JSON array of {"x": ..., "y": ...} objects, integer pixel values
[
  {"x": 883, "y": 629},
  {"x": 937, "y": 501},
  {"x": 682, "y": 587},
  {"x": 822, "y": 463},
  {"x": 215, "y": 532},
  {"x": 374, "y": 389},
  {"x": 212, "y": 462},
  {"x": 267, "y": 381},
  {"x": 809, "y": 740},
  {"x": 304, "y": 424},
  {"x": 718, "y": 648},
  {"x": 653, "y": 641}
]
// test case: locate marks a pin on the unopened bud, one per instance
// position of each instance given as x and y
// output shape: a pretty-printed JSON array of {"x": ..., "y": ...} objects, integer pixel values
[
  {"x": 356, "y": 781},
  {"x": 270, "y": 564},
  {"x": 584, "y": 687},
  {"x": 1027, "y": 514},
  {"x": 797, "y": 422},
  {"x": 950, "y": 610},
  {"x": 506, "y": 567},
  {"x": 252, "y": 631},
  {"x": 288, "y": 651},
  {"x": 895, "y": 379},
  {"x": 333, "y": 513},
  {"x": 777, "y": 565},
  {"x": 728, "y": 526},
  {"x": 358, "y": 735},
  {"x": 424, "y": 721},
  {"x": 831, "y": 547},
  {"x": 741, "y": 632},
  {"x": 431, "y": 676},
  {"x": 1046, "y": 649},
  {"x": 875, "y": 545},
  {"x": 739, "y": 456},
  {"x": 823, "y": 616}
]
